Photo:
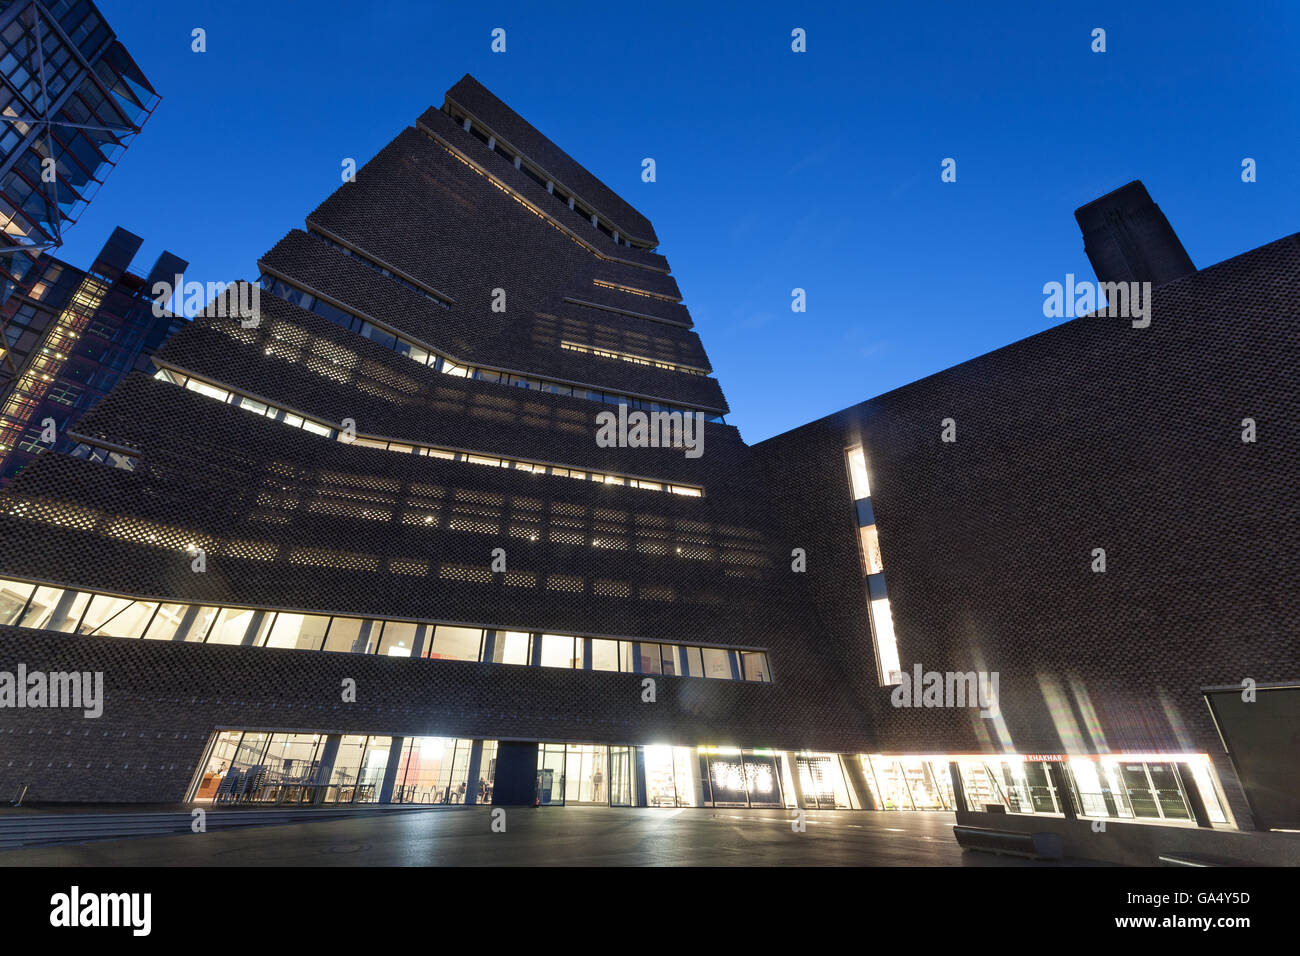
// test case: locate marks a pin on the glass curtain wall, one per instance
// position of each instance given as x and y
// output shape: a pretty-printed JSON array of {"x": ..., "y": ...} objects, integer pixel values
[
  {"x": 487, "y": 771},
  {"x": 672, "y": 776},
  {"x": 29, "y": 605},
  {"x": 909, "y": 783},
  {"x": 260, "y": 768},
  {"x": 359, "y": 768},
  {"x": 1106, "y": 786},
  {"x": 1129, "y": 788},
  {"x": 249, "y": 767},
  {"x": 435, "y": 770}
]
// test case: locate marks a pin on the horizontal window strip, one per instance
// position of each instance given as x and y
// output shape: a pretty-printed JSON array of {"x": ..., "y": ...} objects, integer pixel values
[
  {"x": 439, "y": 362},
  {"x": 615, "y": 310},
  {"x": 36, "y": 606},
  {"x": 733, "y": 551},
  {"x": 329, "y": 430},
  {"x": 365, "y": 260},
  {"x": 105, "y": 456},
  {"x": 629, "y": 357},
  {"x": 604, "y": 284},
  {"x": 546, "y": 217},
  {"x": 541, "y": 177}
]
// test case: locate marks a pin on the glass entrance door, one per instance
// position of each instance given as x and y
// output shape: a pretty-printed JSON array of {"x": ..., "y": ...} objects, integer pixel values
[
  {"x": 586, "y": 774},
  {"x": 550, "y": 775},
  {"x": 581, "y": 773},
  {"x": 672, "y": 776},
  {"x": 620, "y": 776}
]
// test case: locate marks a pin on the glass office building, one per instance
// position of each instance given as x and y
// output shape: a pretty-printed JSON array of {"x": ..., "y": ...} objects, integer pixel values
[
  {"x": 69, "y": 335},
  {"x": 71, "y": 101}
]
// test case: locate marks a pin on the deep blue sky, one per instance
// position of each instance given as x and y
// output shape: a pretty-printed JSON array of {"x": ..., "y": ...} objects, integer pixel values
[{"x": 775, "y": 169}]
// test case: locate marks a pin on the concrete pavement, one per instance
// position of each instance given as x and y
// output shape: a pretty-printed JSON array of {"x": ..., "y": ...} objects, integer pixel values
[{"x": 556, "y": 836}]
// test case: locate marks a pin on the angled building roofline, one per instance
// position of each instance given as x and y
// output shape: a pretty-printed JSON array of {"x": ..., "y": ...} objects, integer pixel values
[{"x": 476, "y": 100}]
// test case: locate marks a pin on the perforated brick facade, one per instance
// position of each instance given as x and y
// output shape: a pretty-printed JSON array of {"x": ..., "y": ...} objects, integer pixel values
[
  {"x": 1093, "y": 434},
  {"x": 297, "y": 521}
]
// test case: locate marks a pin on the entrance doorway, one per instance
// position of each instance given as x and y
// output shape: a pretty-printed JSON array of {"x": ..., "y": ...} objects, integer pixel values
[
  {"x": 672, "y": 776},
  {"x": 584, "y": 774}
]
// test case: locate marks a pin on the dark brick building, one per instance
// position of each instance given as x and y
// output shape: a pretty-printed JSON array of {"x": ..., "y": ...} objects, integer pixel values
[
  {"x": 1092, "y": 435},
  {"x": 376, "y": 551}
]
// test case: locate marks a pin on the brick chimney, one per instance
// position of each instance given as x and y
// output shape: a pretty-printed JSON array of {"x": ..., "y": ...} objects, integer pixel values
[{"x": 1128, "y": 239}]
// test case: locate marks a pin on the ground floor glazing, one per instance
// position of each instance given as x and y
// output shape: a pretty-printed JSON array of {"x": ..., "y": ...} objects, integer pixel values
[{"x": 270, "y": 768}]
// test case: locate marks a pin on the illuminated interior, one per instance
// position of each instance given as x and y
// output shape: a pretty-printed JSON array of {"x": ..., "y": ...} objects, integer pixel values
[
  {"x": 328, "y": 430},
  {"x": 294, "y": 768},
  {"x": 73, "y": 611},
  {"x": 888, "y": 668},
  {"x": 1139, "y": 788},
  {"x": 256, "y": 767}
]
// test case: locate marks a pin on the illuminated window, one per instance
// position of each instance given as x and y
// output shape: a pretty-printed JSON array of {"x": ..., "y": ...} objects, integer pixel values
[
  {"x": 175, "y": 622},
  {"x": 233, "y": 625},
  {"x": 398, "y": 640},
  {"x": 882, "y": 620},
  {"x": 870, "y": 549},
  {"x": 858, "y": 473},
  {"x": 302, "y": 631},
  {"x": 117, "y": 617},
  {"x": 650, "y": 658},
  {"x": 717, "y": 663},
  {"x": 511, "y": 647},
  {"x": 604, "y": 655},
  {"x": 456, "y": 643},
  {"x": 13, "y": 598},
  {"x": 252, "y": 406},
  {"x": 753, "y": 666},
  {"x": 557, "y": 650},
  {"x": 28, "y": 605},
  {"x": 220, "y": 394},
  {"x": 351, "y": 635},
  {"x": 55, "y": 609}
]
